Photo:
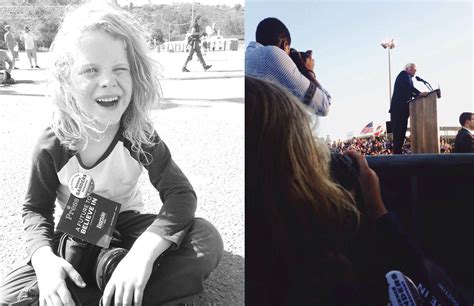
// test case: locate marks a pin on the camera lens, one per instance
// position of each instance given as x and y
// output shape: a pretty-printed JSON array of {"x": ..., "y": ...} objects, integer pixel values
[{"x": 106, "y": 263}]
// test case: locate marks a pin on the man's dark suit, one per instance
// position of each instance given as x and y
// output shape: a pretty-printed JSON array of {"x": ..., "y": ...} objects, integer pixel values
[
  {"x": 463, "y": 142},
  {"x": 399, "y": 109}
]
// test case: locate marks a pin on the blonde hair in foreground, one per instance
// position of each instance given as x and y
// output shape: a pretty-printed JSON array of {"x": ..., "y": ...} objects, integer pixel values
[
  {"x": 70, "y": 122},
  {"x": 285, "y": 164}
]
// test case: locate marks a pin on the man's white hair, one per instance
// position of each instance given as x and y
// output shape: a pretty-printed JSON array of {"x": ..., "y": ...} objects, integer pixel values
[{"x": 409, "y": 65}]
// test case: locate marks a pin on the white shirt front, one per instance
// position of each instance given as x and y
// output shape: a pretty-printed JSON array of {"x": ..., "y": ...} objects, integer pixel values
[{"x": 29, "y": 41}]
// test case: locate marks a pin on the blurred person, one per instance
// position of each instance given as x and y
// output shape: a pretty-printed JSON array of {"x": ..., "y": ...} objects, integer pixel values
[
  {"x": 30, "y": 46},
  {"x": 317, "y": 230},
  {"x": 11, "y": 44},
  {"x": 269, "y": 58},
  {"x": 403, "y": 91},
  {"x": 463, "y": 141},
  {"x": 104, "y": 85},
  {"x": 194, "y": 40},
  {"x": 5, "y": 73}
]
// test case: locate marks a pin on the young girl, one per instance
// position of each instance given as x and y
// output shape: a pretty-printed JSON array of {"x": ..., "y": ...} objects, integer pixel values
[{"x": 104, "y": 87}]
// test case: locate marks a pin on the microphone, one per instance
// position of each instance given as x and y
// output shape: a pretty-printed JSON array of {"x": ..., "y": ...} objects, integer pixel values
[
  {"x": 420, "y": 79},
  {"x": 426, "y": 83}
]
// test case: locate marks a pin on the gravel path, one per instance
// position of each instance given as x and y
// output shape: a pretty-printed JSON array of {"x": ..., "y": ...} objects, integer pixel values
[{"x": 201, "y": 120}]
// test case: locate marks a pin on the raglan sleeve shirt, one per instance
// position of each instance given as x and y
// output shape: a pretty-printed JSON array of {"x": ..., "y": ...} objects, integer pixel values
[
  {"x": 176, "y": 193},
  {"x": 272, "y": 63},
  {"x": 38, "y": 208},
  {"x": 49, "y": 157}
]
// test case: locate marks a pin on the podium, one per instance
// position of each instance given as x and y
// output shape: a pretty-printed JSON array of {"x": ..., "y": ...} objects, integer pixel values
[{"x": 424, "y": 123}]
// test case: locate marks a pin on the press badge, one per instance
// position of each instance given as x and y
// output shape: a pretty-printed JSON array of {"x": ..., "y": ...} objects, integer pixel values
[{"x": 81, "y": 185}]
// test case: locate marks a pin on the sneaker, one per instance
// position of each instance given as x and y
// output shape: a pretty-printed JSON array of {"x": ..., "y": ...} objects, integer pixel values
[
  {"x": 185, "y": 69},
  {"x": 36, "y": 66},
  {"x": 15, "y": 67},
  {"x": 31, "y": 66},
  {"x": 206, "y": 67}
]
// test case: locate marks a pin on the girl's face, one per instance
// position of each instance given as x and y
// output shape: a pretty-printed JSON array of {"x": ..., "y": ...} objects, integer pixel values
[{"x": 101, "y": 79}]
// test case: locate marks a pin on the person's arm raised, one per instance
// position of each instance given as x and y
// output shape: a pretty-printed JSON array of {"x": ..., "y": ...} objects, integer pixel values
[{"x": 370, "y": 184}]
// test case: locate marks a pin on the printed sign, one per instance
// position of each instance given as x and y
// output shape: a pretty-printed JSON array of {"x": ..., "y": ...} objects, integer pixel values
[
  {"x": 401, "y": 290},
  {"x": 91, "y": 218}
]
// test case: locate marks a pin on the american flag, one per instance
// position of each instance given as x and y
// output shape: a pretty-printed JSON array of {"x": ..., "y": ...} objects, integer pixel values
[
  {"x": 379, "y": 130},
  {"x": 369, "y": 128}
]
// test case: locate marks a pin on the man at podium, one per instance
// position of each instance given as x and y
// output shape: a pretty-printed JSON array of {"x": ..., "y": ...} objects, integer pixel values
[{"x": 399, "y": 110}]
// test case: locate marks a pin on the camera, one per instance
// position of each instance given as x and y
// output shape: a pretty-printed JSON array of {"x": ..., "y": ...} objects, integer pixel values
[
  {"x": 306, "y": 54},
  {"x": 94, "y": 264}
]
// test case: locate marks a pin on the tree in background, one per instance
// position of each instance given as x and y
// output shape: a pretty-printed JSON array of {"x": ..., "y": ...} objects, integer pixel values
[{"x": 163, "y": 22}]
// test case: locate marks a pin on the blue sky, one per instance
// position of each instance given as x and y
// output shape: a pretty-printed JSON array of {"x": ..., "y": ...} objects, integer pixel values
[{"x": 345, "y": 38}]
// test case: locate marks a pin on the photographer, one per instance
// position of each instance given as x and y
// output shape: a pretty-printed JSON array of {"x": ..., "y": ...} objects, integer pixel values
[{"x": 271, "y": 58}]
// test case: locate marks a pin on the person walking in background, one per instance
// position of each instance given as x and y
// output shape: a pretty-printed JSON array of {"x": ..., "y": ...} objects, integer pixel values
[
  {"x": 269, "y": 58},
  {"x": 11, "y": 44},
  {"x": 399, "y": 112},
  {"x": 463, "y": 141},
  {"x": 194, "y": 41},
  {"x": 30, "y": 46}
]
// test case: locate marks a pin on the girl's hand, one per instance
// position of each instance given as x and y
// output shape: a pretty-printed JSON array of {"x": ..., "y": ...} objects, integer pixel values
[
  {"x": 128, "y": 281},
  {"x": 51, "y": 272},
  {"x": 370, "y": 184}
]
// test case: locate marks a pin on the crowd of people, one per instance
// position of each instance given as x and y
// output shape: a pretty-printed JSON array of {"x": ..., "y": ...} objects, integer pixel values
[{"x": 380, "y": 146}]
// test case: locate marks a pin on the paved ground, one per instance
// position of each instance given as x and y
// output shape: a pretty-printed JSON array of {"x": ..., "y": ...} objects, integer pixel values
[{"x": 201, "y": 120}]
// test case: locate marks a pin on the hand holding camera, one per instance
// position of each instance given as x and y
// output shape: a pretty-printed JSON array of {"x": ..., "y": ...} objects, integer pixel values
[
  {"x": 370, "y": 184},
  {"x": 305, "y": 63}
]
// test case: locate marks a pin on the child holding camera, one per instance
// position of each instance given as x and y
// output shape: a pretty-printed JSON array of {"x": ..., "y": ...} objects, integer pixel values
[{"x": 104, "y": 87}]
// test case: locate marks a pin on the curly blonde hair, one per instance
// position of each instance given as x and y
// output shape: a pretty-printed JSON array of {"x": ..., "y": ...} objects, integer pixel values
[{"x": 70, "y": 122}]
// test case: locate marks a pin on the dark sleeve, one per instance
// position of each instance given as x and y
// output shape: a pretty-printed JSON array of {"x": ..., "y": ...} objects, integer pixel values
[
  {"x": 38, "y": 208},
  {"x": 176, "y": 193},
  {"x": 463, "y": 143},
  {"x": 408, "y": 87},
  {"x": 467, "y": 141}
]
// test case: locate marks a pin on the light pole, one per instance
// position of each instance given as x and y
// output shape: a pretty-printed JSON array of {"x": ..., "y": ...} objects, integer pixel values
[{"x": 389, "y": 44}]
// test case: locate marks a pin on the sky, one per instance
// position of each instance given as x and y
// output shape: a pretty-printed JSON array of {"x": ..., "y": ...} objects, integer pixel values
[{"x": 351, "y": 64}]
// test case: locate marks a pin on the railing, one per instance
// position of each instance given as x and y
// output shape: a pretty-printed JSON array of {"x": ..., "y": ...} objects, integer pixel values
[{"x": 434, "y": 197}]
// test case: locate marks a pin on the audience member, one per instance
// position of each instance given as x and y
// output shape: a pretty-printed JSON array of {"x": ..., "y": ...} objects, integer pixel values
[
  {"x": 269, "y": 58},
  {"x": 463, "y": 142},
  {"x": 311, "y": 241}
]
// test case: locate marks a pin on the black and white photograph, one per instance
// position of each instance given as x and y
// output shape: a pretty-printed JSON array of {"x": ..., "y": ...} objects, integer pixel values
[{"x": 122, "y": 153}]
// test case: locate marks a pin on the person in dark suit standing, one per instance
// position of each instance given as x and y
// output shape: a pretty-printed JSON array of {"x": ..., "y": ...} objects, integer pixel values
[
  {"x": 463, "y": 141},
  {"x": 399, "y": 111}
]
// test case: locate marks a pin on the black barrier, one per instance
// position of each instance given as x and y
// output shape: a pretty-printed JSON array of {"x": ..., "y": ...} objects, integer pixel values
[{"x": 433, "y": 195}]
